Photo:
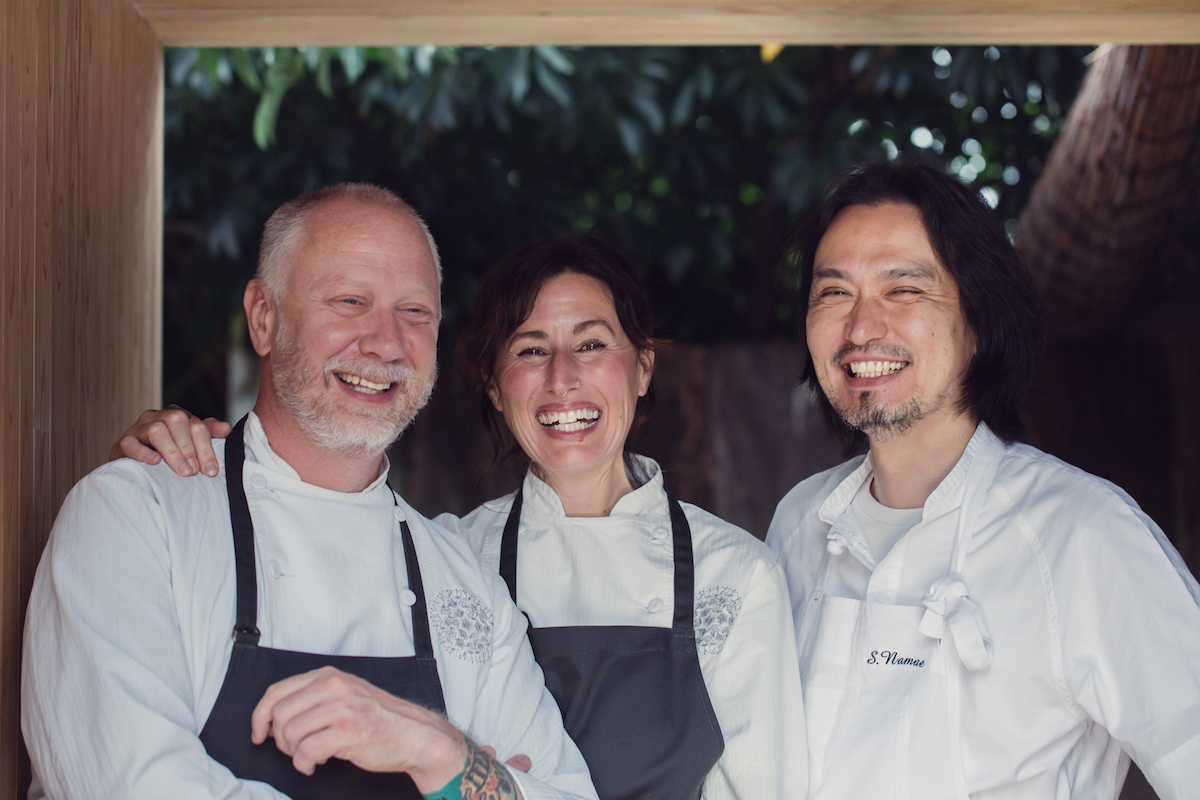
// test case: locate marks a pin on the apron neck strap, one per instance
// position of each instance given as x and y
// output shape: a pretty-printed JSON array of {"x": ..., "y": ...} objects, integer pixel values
[
  {"x": 245, "y": 629},
  {"x": 685, "y": 578},
  {"x": 508, "y": 547},
  {"x": 422, "y": 641}
]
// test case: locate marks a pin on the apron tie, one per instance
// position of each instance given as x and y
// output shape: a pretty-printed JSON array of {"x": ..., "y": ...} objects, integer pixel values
[{"x": 948, "y": 605}]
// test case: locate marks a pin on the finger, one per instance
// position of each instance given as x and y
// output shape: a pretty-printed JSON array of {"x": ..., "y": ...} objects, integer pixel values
[
  {"x": 129, "y": 447},
  {"x": 201, "y": 434},
  {"x": 285, "y": 699},
  {"x": 491, "y": 751},
  {"x": 520, "y": 762},
  {"x": 298, "y": 719},
  {"x": 159, "y": 436},
  {"x": 184, "y": 428},
  {"x": 217, "y": 429},
  {"x": 317, "y": 748}
]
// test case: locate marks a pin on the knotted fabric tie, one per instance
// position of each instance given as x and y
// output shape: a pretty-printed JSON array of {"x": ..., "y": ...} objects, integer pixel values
[{"x": 948, "y": 605}]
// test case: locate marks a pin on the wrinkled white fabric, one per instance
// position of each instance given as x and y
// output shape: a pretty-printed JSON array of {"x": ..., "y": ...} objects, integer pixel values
[
  {"x": 1093, "y": 620},
  {"x": 128, "y": 633},
  {"x": 618, "y": 570}
]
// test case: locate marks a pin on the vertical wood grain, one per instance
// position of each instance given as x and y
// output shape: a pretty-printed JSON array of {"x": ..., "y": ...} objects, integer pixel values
[{"x": 80, "y": 239}]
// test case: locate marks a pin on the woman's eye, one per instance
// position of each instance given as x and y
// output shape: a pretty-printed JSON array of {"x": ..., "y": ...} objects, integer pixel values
[
  {"x": 531, "y": 351},
  {"x": 592, "y": 345}
]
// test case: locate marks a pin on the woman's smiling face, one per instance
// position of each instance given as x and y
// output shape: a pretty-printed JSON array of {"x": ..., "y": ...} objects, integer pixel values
[{"x": 568, "y": 380}]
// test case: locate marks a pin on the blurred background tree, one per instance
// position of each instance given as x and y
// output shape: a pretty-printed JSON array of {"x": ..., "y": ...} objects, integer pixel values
[{"x": 694, "y": 161}]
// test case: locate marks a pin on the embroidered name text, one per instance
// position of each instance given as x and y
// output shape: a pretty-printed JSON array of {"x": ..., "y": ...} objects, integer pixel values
[{"x": 892, "y": 658}]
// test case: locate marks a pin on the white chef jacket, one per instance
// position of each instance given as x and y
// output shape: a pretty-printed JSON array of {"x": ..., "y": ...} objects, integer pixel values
[
  {"x": 1094, "y": 620},
  {"x": 619, "y": 570},
  {"x": 127, "y": 637}
]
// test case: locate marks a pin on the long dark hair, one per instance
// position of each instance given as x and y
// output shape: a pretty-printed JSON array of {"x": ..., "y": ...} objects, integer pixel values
[
  {"x": 504, "y": 301},
  {"x": 995, "y": 290}
]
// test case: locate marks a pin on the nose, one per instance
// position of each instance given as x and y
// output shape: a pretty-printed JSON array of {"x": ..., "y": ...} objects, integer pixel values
[
  {"x": 561, "y": 374},
  {"x": 382, "y": 337},
  {"x": 867, "y": 321}
]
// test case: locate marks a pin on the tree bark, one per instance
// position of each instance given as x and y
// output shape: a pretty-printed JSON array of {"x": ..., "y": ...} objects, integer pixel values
[{"x": 1101, "y": 207}]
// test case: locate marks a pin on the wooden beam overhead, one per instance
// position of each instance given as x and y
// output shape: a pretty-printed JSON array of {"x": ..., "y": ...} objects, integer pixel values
[{"x": 680, "y": 22}]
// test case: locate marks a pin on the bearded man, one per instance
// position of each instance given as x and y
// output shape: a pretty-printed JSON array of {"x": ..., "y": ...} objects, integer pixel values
[
  {"x": 974, "y": 617},
  {"x": 176, "y": 625}
]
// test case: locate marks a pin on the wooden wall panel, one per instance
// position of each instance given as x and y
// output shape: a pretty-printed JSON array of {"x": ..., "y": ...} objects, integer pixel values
[
  {"x": 80, "y": 286},
  {"x": 586, "y": 22},
  {"x": 18, "y": 235}
]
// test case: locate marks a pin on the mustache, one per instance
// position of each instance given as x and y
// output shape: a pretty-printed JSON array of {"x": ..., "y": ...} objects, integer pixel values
[
  {"x": 372, "y": 371},
  {"x": 892, "y": 351}
]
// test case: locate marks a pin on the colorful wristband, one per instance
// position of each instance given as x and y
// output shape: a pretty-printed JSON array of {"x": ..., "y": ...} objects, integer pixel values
[{"x": 453, "y": 789}]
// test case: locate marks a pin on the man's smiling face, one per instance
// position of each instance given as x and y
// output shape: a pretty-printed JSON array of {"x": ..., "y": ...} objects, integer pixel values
[
  {"x": 885, "y": 329},
  {"x": 354, "y": 353}
]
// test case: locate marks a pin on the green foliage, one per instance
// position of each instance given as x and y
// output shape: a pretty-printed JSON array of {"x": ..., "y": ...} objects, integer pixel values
[{"x": 695, "y": 161}]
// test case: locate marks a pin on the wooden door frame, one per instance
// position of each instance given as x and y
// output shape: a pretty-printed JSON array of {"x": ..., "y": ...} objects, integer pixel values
[{"x": 81, "y": 145}]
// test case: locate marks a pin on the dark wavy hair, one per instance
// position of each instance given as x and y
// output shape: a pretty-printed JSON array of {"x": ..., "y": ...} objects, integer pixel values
[
  {"x": 995, "y": 290},
  {"x": 504, "y": 301}
]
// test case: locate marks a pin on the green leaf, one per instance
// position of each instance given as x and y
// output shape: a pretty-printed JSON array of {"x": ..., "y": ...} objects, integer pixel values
[
  {"x": 287, "y": 68},
  {"x": 395, "y": 59},
  {"x": 552, "y": 85},
  {"x": 244, "y": 68},
  {"x": 352, "y": 63},
  {"x": 556, "y": 59},
  {"x": 324, "y": 77}
]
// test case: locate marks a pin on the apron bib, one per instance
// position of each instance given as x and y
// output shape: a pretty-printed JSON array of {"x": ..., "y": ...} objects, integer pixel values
[
  {"x": 881, "y": 682},
  {"x": 632, "y": 697},
  {"x": 226, "y": 734}
]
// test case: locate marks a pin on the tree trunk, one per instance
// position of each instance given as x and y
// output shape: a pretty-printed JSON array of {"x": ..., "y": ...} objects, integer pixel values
[
  {"x": 1112, "y": 235},
  {"x": 1101, "y": 207}
]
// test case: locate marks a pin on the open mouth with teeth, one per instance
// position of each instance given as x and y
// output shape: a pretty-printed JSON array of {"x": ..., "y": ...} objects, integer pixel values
[
  {"x": 569, "y": 421},
  {"x": 362, "y": 384},
  {"x": 874, "y": 369}
]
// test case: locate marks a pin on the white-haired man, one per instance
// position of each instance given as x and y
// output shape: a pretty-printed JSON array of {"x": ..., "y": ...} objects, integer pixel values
[{"x": 176, "y": 625}]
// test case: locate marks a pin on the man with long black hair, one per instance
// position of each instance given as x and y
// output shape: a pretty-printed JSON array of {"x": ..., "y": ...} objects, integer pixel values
[{"x": 974, "y": 617}]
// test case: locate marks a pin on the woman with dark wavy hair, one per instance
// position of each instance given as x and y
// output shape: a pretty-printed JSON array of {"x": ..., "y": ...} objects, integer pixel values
[{"x": 665, "y": 633}]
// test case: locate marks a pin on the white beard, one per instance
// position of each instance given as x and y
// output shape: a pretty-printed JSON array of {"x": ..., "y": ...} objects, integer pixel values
[{"x": 366, "y": 430}]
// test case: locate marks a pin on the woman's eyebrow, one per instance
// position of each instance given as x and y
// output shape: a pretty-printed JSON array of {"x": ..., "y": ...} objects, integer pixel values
[
  {"x": 583, "y": 326},
  {"x": 529, "y": 335}
]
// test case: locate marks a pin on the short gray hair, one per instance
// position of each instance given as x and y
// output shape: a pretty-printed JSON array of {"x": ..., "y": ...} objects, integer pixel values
[{"x": 285, "y": 227}]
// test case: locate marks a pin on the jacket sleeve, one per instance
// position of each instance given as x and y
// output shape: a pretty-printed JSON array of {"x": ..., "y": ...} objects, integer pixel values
[
  {"x": 1130, "y": 632},
  {"x": 753, "y": 680},
  {"x": 516, "y": 714},
  {"x": 108, "y": 697}
]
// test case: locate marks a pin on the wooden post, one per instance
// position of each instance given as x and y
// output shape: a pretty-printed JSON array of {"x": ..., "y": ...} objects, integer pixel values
[{"x": 80, "y": 238}]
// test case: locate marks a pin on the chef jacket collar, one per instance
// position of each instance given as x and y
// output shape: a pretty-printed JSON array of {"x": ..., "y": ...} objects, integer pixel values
[
  {"x": 645, "y": 502},
  {"x": 258, "y": 451},
  {"x": 946, "y": 497}
]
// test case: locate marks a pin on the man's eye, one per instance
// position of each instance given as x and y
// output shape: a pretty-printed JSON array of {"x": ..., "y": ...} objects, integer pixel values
[{"x": 351, "y": 301}]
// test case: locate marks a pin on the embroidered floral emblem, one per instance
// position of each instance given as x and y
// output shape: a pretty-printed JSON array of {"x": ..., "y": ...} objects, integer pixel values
[
  {"x": 716, "y": 609},
  {"x": 463, "y": 625}
]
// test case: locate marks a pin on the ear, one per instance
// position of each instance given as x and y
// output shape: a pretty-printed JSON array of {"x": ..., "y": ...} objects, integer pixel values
[
  {"x": 493, "y": 392},
  {"x": 261, "y": 317},
  {"x": 645, "y": 371}
]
